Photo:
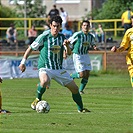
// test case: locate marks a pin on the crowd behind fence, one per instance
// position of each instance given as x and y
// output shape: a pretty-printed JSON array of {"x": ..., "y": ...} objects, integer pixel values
[{"x": 29, "y": 22}]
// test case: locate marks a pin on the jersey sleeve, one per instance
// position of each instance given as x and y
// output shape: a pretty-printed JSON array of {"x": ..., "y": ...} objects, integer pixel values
[
  {"x": 73, "y": 38},
  {"x": 126, "y": 40},
  {"x": 93, "y": 41},
  {"x": 37, "y": 43}
]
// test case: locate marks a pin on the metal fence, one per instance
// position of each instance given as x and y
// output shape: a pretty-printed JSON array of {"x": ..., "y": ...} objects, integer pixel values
[{"x": 29, "y": 22}]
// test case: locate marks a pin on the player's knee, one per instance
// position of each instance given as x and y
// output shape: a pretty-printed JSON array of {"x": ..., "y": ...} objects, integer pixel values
[
  {"x": 43, "y": 84},
  {"x": 75, "y": 90},
  {"x": 72, "y": 87}
]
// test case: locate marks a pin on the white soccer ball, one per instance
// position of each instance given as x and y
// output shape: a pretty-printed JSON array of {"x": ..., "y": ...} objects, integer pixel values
[{"x": 42, "y": 107}]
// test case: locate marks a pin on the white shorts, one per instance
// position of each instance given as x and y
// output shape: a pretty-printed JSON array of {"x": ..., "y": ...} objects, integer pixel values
[
  {"x": 81, "y": 62},
  {"x": 60, "y": 76}
]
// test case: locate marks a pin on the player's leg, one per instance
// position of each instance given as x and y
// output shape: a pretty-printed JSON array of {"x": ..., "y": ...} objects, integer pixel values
[
  {"x": 130, "y": 70},
  {"x": 76, "y": 61},
  {"x": 84, "y": 71},
  {"x": 63, "y": 78},
  {"x": 41, "y": 88},
  {"x": 76, "y": 96},
  {"x": 85, "y": 75}
]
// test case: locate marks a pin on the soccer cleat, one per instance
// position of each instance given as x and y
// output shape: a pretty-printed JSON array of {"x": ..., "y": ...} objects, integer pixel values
[
  {"x": 84, "y": 110},
  {"x": 4, "y": 111},
  {"x": 81, "y": 92},
  {"x": 34, "y": 103}
]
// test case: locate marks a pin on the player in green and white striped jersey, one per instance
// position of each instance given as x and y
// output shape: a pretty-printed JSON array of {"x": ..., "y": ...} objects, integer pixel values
[
  {"x": 81, "y": 42},
  {"x": 52, "y": 46}
]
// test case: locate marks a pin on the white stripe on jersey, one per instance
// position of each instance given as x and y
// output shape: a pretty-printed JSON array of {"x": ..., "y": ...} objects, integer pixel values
[
  {"x": 72, "y": 39},
  {"x": 49, "y": 53},
  {"x": 81, "y": 43},
  {"x": 39, "y": 40}
]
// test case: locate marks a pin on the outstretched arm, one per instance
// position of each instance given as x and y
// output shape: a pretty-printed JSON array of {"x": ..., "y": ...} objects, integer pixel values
[
  {"x": 115, "y": 49},
  {"x": 22, "y": 66}
]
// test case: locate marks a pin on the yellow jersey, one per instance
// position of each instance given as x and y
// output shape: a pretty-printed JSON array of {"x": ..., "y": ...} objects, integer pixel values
[
  {"x": 126, "y": 17},
  {"x": 127, "y": 43}
]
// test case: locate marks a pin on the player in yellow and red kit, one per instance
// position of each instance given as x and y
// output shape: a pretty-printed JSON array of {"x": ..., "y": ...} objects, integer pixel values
[{"x": 127, "y": 43}]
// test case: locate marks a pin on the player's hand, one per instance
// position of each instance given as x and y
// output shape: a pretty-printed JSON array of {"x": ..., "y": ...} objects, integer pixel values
[
  {"x": 113, "y": 49},
  {"x": 66, "y": 43},
  {"x": 95, "y": 48},
  {"x": 22, "y": 67}
]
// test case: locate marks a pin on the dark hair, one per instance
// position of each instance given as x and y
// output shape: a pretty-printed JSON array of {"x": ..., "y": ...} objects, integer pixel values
[
  {"x": 54, "y": 6},
  {"x": 61, "y": 9},
  {"x": 85, "y": 21},
  {"x": 67, "y": 26},
  {"x": 57, "y": 19}
]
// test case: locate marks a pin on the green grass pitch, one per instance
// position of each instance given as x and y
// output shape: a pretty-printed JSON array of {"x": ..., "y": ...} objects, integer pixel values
[{"x": 108, "y": 96}]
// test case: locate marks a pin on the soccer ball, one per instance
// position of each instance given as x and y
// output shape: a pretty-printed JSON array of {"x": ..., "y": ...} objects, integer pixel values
[{"x": 42, "y": 107}]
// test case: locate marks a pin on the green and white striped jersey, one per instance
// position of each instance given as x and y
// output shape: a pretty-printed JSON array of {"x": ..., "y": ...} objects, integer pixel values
[
  {"x": 81, "y": 42},
  {"x": 51, "y": 50}
]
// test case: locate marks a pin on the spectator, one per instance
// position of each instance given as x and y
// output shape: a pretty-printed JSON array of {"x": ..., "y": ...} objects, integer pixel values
[
  {"x": 126, "y": 19},
  {"x": 93, "y": 32},
  {"x": 67, "y": 31},
  {"x": 11, "y": 35},
  {"x": 32, "y": 34},
  {"x": 53, "y": 12},
  {"x": 1, "y": 110},
  {"x": 100, "y": 34},
  {"x": 64, "y": 16}
]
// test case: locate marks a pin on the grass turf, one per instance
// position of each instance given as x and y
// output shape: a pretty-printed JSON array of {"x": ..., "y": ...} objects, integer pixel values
[{"x": 108, "y": 96}]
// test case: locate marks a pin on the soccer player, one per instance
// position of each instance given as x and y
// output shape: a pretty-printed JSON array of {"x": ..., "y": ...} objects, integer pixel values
[
  {"x": 52, "y": 44},
  {"x": 2, "y": 110},
  {"x": 81, "y": 42},
  {"x": 127, "y": 43}
]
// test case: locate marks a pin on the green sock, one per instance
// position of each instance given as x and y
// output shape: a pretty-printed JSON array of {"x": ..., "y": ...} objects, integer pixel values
[
  {"x": 83, "y": 84},
  {"x": 77, "y": 98},
  {"x": 40, "y": 91},
  {"x": 75, "y": 75}
]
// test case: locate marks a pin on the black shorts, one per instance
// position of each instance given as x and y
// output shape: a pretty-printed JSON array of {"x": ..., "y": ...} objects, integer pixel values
[{"x": 31, "y": 39}]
